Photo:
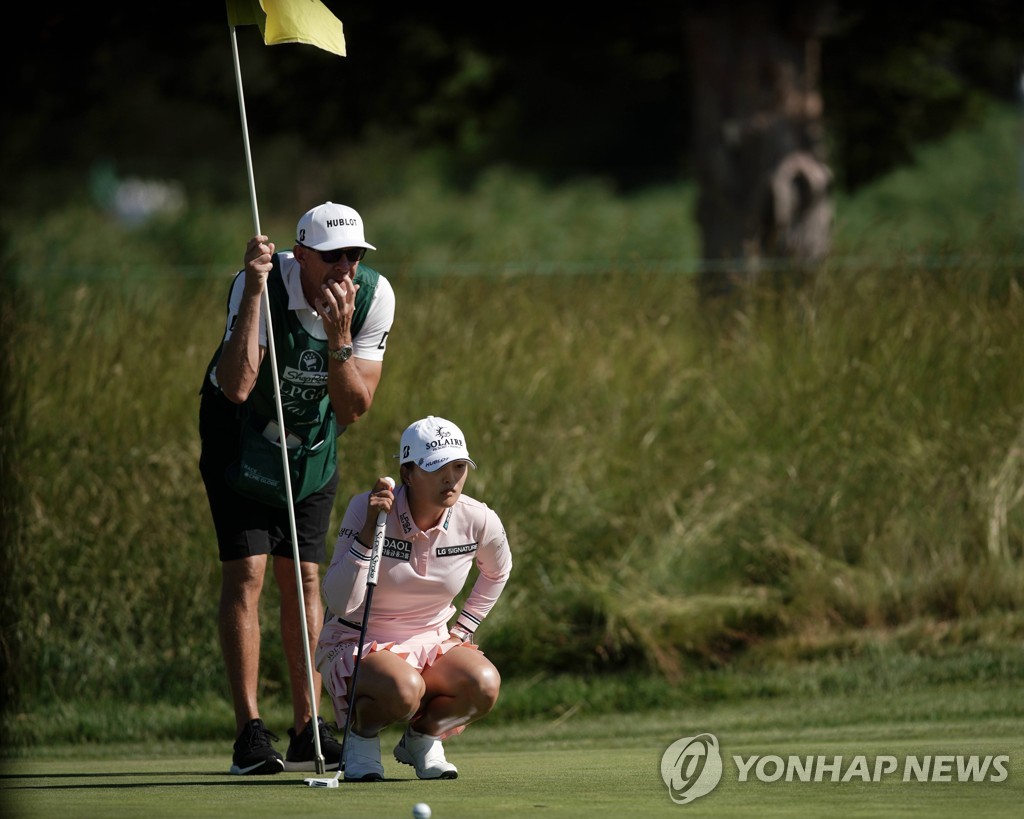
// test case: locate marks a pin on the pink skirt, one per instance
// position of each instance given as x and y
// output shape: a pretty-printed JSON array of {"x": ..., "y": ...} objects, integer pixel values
[{"x": 337, "y": 662}]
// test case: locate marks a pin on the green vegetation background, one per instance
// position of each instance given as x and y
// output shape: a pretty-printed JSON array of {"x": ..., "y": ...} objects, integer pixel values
[{"x": 831, "y": 475}]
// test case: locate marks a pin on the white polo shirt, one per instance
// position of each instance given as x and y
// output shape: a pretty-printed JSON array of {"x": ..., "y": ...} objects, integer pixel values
[{"x": 369, "y": 343}]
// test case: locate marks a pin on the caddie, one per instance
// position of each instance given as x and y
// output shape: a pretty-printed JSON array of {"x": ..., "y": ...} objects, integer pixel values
[{"x": 331, "y": 316}]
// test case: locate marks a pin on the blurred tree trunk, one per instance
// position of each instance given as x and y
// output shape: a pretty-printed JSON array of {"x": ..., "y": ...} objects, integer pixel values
[{"x": 765, "y": 190}]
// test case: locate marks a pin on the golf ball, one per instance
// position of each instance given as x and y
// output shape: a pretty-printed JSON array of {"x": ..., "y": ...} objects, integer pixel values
[{"x": 421, "y": 810}]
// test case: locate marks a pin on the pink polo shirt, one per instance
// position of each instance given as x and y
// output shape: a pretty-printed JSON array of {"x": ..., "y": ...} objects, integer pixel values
[{"x": 420, "y": 572}]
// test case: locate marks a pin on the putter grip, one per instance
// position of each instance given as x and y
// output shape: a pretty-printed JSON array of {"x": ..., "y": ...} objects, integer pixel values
[{"x": 378, "y": 544}]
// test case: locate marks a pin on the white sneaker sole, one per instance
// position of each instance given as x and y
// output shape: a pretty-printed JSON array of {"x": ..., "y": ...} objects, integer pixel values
[
  {"x": 402, "y": 755},
  {"x": 369, "y": 777}
]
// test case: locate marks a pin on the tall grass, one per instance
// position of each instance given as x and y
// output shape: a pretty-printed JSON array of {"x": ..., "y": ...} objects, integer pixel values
[{"x": 681, "y": 490}]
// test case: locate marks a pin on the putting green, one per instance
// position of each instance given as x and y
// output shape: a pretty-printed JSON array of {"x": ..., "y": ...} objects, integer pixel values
[{"x": 579, "y": 767}]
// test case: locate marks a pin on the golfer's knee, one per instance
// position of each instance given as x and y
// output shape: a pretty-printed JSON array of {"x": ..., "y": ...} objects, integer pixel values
[
  {"x": 483, "y": 689},
  {"x": 400, "y": 694}
]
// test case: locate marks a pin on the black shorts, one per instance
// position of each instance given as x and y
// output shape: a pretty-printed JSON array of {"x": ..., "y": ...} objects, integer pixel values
[{"x": 246, "y": 527}]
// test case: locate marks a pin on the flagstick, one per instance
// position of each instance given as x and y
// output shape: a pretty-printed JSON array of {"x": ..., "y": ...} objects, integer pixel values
[{"x": 282, "y": 431}]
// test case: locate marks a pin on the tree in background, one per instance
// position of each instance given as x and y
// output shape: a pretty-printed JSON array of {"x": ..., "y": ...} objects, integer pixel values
[
  {"x": 559, "y": 95},
  {"x": 759, "y": 140}
]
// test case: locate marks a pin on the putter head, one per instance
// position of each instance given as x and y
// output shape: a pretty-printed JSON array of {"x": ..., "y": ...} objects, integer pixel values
[{"x": 322, "y": 783}]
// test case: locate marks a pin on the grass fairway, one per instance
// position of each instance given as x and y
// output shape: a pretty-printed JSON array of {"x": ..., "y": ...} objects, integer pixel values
[{"x": 583, "y": 766}]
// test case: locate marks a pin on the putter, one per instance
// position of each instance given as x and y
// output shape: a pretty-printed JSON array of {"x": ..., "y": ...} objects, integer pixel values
[{"x": 371, "y": 583}]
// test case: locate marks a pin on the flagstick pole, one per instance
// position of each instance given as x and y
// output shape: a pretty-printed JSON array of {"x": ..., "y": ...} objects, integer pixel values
[{"x": 282, "y": 431}]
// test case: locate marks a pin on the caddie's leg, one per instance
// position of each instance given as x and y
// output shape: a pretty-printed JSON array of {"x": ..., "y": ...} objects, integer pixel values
[
  {"x": 239, "y": 629},
  {"x": 291, "y": 632}
]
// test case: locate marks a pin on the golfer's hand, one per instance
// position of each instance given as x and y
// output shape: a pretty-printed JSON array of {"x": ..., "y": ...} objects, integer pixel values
[
  {"x": 381, "y": 499},
  {"x": 258, "y": 262}
]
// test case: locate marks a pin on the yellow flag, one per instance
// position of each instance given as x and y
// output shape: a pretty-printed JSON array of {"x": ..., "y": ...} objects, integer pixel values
[{"x": 290, "y": 21}]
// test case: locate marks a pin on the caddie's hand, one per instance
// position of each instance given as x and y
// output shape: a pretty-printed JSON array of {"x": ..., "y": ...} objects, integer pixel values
[
  {"x": 336, "y": 306},
  {"x": 259, "y": 261}
]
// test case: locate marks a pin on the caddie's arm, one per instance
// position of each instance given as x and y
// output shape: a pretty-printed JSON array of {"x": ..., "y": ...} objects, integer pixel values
[
  {"x": 352, "y": 385},
  {"x": 240, "y": 360}
]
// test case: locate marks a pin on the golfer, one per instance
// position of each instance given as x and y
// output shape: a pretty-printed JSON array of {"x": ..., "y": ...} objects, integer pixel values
[
  {"x": 414, "y": 669},
  {"x": 331, "y": 318}
]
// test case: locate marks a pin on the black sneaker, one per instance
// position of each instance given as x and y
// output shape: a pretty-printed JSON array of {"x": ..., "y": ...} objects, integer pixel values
[
  {"x": 253, "y": 752},
  {"x": 301, "y": 754}
]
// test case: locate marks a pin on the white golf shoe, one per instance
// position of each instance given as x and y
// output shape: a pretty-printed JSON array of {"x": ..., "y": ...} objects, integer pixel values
[
  {"x": 362, "y": 759},
  {"x": 425, "y": 754}
]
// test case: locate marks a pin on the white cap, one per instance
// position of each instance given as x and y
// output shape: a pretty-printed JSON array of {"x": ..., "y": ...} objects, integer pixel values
[
  {"x": 433, "y": 442},
  {"x": 330, "y": 226}
]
